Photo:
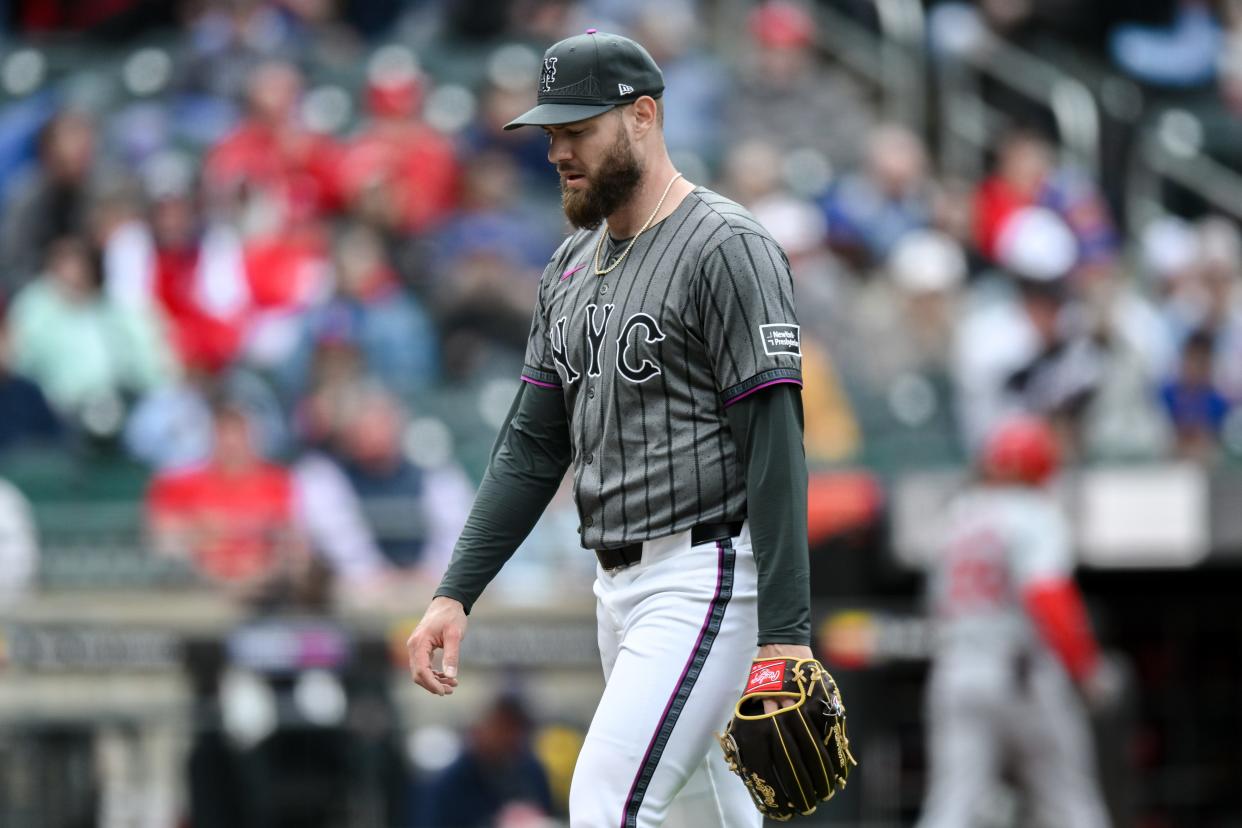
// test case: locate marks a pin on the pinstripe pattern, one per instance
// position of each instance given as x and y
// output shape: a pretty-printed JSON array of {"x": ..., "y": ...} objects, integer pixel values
[{"x": 652, "y": 451}]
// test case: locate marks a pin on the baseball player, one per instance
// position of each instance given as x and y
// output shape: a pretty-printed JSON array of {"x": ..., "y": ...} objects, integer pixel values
[
  {"x": 663, "y": 369},
  {"x": 1012, "y": 641}
]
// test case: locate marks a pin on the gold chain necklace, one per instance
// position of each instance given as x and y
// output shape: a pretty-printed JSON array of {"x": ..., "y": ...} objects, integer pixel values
[{"x": 600, "y": 244}]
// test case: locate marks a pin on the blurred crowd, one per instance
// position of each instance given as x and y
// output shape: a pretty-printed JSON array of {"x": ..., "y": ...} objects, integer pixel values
[
  {"x": 259, "y": 257},
  {"x": 279, "y": 257}
]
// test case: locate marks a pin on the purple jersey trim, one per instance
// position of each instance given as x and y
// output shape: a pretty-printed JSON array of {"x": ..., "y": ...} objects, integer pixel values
[
  {"x": 540, "y": 384},
  {"x": 746, "y": 394}
]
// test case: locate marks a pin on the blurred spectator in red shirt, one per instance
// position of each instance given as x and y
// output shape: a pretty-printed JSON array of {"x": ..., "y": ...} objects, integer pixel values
[
  {"x": 286, "y": 261},
  {"x": 1026, "y": 175},
  {"x": 233, "y": 517},
  {"x": 399, "y": 169},
  {"x": 199, "y": 280},
  {"x": 272, "y": 151},
  {"x": 273, "y": 331},
  {"x": 50, "y": 202}
]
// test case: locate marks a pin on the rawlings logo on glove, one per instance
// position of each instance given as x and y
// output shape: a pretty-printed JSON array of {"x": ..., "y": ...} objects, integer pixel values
[
  {"x": 798, "y": 756},
  {"x": 766, "y": 676}
]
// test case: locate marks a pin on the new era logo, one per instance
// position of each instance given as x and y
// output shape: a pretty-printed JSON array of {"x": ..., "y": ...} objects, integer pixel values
[
  {"x": 781, "y": 339},
  {"x": 624, "y": 89}
]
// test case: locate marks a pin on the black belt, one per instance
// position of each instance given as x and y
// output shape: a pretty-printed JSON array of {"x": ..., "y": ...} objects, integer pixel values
[{"x": 623, "y": 556}]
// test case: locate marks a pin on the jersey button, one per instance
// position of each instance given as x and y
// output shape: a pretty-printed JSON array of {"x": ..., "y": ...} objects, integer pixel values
[
  {"x": 603, "y": 288},
  {"x": 590, "y": 458},
  {"x": 589, "y": 522},
  {"x": 591, "y": 392}
]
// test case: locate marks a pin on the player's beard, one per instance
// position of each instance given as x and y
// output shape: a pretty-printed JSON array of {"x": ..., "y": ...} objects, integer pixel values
[{"x": 608, "y": 188}]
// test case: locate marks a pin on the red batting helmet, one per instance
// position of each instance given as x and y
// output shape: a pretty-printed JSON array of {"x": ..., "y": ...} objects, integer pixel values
[{"x": 1021, "y": 450}]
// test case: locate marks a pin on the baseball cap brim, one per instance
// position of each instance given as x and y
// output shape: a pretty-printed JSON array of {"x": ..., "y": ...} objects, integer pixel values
[{"x": 551, "y": 114}]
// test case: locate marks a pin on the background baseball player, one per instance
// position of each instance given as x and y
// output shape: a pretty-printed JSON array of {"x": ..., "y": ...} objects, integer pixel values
[
  {"x": 1013, "y": 640},
  {"x": 663, "y": 368}
]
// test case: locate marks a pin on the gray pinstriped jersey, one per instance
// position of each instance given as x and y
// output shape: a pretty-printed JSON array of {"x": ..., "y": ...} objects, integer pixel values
[{"x": 699, "y": 315}]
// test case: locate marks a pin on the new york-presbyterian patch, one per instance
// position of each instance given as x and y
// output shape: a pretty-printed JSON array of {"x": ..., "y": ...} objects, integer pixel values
[{"x": 781, "y": 339}]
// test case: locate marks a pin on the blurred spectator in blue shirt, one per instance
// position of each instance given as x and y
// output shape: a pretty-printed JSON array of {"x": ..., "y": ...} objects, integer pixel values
[
  {"x": 502, "y": 100},
  {"x": 493, "y": 223},
  {"x": 1178, "y": 56},
  {"x": 171, "y": 427},
  {"x": 1197, "y": 271},
  {"x": 695, "y": 83},
  {"x": 226, "y": 42},
  {"x": 1194, "y": 403},
  {"x": 496, "y": 769},
  {"x": 27, "y": 418},
  {"x": 869, "y": 211},
  {"x": 415, "y": 510},
  {"x": 486, "y": 261},
  {"x": 394, "y": 336}
]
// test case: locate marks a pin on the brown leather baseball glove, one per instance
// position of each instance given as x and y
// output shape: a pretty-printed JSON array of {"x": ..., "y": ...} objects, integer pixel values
[{"x": 794, "y": 758}]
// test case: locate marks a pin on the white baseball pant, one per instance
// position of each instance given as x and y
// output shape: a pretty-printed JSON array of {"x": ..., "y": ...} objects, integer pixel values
[{"x": 677, "y": 634}]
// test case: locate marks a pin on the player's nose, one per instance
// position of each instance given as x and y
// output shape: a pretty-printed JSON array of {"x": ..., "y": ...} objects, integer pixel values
[{"x": 558, "y": 150}]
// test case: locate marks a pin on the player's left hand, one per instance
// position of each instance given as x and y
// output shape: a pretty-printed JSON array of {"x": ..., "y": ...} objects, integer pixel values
[
  {"x": 798, "y": 651},
  {"x": 797, "y": 755}
]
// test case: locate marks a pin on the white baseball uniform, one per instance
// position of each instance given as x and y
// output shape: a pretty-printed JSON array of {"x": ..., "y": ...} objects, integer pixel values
[{"x": 997, "y": 692}]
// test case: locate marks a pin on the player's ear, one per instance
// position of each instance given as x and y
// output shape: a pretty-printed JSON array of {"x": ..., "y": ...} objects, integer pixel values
[{"x": 644, "y": 115}]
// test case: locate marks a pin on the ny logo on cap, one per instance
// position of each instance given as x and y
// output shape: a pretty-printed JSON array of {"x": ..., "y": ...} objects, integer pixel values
[
  {"x": 549, "y": 74},
  {"x": 625, "y": 89}
]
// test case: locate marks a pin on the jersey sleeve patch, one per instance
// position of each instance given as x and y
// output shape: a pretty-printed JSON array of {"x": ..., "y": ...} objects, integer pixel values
[
  {"x": 781, "y": 338},
  {"x": 764, "y": 379}
]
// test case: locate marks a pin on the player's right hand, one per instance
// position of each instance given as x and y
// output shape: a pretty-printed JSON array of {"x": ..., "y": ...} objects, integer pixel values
[{"x": 442, "y": 628}]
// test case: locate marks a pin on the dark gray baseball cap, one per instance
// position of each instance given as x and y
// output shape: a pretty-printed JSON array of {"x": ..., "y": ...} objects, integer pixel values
[{"x": 589, "y": 74}]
